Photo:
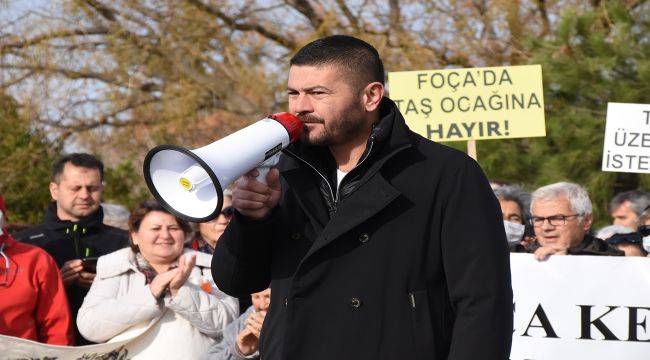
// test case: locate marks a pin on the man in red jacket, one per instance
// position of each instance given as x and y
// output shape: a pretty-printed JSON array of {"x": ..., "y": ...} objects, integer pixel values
[{"x": 34, "y": 305}]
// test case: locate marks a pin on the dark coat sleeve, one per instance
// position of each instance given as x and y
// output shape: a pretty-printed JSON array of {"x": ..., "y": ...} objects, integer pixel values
[
  {"x": 241, "y": 264},
  {"x": 477, "y": 266}
]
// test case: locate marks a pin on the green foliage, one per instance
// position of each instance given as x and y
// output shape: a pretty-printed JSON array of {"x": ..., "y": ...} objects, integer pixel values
[
  {"x": 124, "y": 185},
  {"x": 597, "y": 56},
  {"x": 25, "y": 158}
]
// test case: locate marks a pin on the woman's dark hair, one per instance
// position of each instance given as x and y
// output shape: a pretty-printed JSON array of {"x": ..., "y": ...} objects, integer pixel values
[{"x": 144, "y": 208}]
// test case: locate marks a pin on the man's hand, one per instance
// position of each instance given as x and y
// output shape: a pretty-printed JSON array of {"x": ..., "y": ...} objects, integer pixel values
[
  {"x": 254, "y": 199},
  {"x": 544, "y": 252},
  {"x": 85, "y": 279},
  {"x": 184, "y": 269},
  {"x": 248, "y": 339},
  {"x": 527, "y": 241},
  {"x": 70, "y": 272}
]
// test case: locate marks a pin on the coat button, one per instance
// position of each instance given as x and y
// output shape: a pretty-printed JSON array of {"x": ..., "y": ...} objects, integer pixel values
[
  {"x": 286, "y": 301},
  {"x": 363, "y": 238},
  {"x": 355, "y": 303},
  {"x": 296, "y": 236}
]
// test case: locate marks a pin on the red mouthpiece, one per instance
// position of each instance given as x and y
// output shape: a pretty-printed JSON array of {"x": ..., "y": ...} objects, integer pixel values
[{"x": 291, "y": 123}]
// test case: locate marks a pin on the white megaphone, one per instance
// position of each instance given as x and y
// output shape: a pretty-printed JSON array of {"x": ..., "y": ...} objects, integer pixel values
[{"x": 190, "y": 183}]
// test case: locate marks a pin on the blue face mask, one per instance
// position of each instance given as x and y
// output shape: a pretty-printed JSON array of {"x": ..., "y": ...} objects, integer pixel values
[{"x": 514, "y": 232}]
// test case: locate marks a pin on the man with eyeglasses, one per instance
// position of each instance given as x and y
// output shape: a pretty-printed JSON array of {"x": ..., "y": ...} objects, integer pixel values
[
  {"x": 562, "y": 217},
  {"x": 33, "y": 304}
]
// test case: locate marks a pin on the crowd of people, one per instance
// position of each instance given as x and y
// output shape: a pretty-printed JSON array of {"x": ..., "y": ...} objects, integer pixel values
[
  {"x": 87, "y": 275},
  {"x": 76, "y": 280},
  {"x": 557, "y": 219},
  {"x": 82, "y": 281}
]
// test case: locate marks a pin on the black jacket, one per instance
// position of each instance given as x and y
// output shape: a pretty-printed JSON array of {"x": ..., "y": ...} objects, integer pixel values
[
  {"x": 66, "y": 240},
  {"x": 409, "y": 260}
]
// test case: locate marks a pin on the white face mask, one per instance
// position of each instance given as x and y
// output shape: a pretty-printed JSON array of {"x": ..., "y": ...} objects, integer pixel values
[
  {"x": 514, "y": 232},
  {"x": 646, "y": 243}
]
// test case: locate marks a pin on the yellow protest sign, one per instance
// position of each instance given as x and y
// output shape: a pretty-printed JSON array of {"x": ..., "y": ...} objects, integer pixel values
[{"x": 471, "y": 104}]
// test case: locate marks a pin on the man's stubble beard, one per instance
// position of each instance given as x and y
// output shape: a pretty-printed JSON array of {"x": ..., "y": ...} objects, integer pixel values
[
  {"x": 71, "y": 211},
  {"x": 338, "y": 130}
]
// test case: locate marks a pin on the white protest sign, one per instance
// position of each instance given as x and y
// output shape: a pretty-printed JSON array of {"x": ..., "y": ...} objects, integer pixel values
[
  {"x": 627, "y": 138},
  {"x": 581, "y": 307}
]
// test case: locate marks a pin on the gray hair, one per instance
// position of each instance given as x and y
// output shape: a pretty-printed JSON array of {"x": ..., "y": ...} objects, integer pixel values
[
  {"x": 576, "y": 194},
  {"x": 518, "y": 195},
  {"x": 638, "y": 199},
  {"x": 611, "y": 230}
]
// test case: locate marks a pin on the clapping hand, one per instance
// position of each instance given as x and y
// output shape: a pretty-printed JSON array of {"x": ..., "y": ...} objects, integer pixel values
[
  {"x": 249, "y": 338},
  {"x": 185, "y": 267}
]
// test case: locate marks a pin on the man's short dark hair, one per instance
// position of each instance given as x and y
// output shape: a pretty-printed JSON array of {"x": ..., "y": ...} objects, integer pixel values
[
  {"x": 356, "y": 57},
  {"x": 638, "y": 199},
  {"x": 77, "y": 159}
]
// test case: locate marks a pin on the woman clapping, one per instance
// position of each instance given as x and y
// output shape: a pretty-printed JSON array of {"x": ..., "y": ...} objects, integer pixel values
[{"x": 157, "y": 289}]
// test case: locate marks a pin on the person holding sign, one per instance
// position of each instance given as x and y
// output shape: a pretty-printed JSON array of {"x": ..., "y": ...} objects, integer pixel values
[
  {"x": 562, "y": 217},
  {"x": 376, "y": 242}
]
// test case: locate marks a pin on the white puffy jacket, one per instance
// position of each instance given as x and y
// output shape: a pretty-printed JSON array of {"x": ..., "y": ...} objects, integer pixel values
[{"x": 120, "y": 306}]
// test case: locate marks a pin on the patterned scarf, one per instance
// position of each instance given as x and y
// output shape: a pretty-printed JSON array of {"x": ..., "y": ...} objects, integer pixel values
[{"x": 149, "y": 272}]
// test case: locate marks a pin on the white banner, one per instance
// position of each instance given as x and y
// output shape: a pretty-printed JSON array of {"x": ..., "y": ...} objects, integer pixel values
[
  {"x": 119, "y": 348},
  {"x": 581, "y": 307},
  {"x": 565, "y": 308},
  {"x": 627, "y": 138},
  {"x": 12, "y": 348}
]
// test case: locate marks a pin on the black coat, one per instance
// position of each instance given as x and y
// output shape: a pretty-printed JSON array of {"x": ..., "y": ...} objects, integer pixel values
[
  {"x": 410, "y": 262},
  {"x": 66, "y": 240}
]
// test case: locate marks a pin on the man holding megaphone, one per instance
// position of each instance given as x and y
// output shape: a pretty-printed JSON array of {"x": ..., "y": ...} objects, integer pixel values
[{"x": 377, "y": 243}]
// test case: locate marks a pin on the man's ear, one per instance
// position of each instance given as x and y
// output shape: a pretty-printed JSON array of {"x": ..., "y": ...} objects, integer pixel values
[
  {"x": 372, "y": 95},
  {"x": 587, "y": 221},
  {"x": 54, "y": 191}
]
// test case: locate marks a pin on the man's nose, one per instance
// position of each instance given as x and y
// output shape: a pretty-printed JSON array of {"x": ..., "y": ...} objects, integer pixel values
[
  {"x": 84, "y": 193},
  {"x": 301, "y": 105}
]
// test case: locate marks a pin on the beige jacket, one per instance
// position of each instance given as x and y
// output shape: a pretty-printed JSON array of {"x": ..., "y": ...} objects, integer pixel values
[{"x": 119, "y": 305}]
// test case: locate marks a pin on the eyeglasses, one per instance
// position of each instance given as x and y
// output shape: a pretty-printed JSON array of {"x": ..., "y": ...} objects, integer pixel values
[
  {"x": 227, "y": 212},
  {"x": 555, "y": 220},
  {"x": 5, "y": 281}
]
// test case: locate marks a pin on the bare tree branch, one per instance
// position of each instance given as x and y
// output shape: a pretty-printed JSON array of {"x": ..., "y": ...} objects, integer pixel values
[
  {"x": 52, "y": 35},
  {"x": 282, "y": 40},
  {"x": 68, "y": 73}
]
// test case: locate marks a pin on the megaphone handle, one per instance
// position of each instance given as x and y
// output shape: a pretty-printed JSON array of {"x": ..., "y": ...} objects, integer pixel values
[{"x": 266, "y": 166}]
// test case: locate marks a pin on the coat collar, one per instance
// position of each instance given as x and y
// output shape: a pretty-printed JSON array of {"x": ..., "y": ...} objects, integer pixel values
[
  {"x": 390, "y": 134},
  {"x": 53, "y": 222},
  {"x": 123, "y": 261},
  {"x": 372, "y": 191}
]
